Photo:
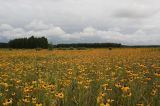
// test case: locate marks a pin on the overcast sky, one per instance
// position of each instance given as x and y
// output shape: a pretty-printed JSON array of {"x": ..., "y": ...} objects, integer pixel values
[{"x": 74, "y": 21}]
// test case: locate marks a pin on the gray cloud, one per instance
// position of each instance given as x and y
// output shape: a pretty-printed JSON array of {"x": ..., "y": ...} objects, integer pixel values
[
  {"x": 125, "y": 21},
  {"x": 88, "y": 34},
  {"x": 137, "y": 9},
  {"x": 124, "y": 13}
]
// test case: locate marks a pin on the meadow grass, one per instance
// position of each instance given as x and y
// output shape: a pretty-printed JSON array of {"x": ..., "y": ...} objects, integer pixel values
[{"x": 91, "y": 77}]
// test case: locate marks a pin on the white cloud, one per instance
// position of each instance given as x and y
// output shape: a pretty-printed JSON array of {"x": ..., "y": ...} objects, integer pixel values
[
  {"x": 126, "y": 21},
  {"x": 5, "y": 27},
  {"x": 56, "y": 34},
  {"x": 37, "y": 25}
]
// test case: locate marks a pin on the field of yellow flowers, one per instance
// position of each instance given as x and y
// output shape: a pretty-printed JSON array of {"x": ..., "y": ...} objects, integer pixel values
[{"x": 92, "y": 77}]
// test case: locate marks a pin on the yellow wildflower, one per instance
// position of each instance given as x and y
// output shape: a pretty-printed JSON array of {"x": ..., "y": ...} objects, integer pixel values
[
  {"x": 99, "y": 99},
  {"x": 39, "y": 104},
  {"x": 34, "y": 99},
  {"x": 125, "y": 89},
  {"x": 59, "y": 95},
  {"x": 8, "y": 102}
]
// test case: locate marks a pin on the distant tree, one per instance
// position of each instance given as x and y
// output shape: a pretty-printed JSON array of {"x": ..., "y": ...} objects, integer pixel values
[
  {"x": 31, "y": 42},
  {"x": 50, "y": 46},
  {"x": 3, "y": 45},
  {"x": 89, "y": 45}
]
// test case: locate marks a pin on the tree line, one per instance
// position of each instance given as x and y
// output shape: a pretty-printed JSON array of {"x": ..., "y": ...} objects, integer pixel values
[
  {"x": 3, "y": 45},
  {"x": 42, "y": 42},
  {"x": 30, "y": 43},
  {"x": 89, "y": 45}
]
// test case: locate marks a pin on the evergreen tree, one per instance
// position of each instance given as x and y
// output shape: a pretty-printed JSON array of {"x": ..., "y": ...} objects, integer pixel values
[{"x": 31, "y": 42}]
